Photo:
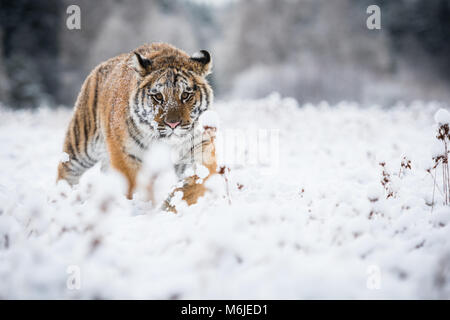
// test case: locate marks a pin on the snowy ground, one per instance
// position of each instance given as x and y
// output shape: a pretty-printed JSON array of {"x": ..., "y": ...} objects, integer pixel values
[{"x": 313, "y": 224}]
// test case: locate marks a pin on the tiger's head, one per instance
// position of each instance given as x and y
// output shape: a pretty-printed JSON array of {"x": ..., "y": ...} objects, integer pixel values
[{"x": 172, "y": 90}]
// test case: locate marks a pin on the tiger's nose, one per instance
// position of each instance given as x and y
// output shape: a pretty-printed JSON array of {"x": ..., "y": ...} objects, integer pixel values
[{"x": 173, "y": 125}]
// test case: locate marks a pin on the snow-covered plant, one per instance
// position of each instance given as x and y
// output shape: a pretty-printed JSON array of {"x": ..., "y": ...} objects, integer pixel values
[
  {"x": 386, "y": 181},
  {"x": 405, "y": 164},
  {"x": 390, "y": 182},
  {"x": 440, "y": 157},
  {"x": 224, "y": 171}
]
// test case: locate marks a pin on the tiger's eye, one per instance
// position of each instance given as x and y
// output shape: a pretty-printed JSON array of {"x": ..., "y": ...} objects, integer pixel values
[
  {"x": 185, "y": 95},
  {"x": 159, "y": 97}
]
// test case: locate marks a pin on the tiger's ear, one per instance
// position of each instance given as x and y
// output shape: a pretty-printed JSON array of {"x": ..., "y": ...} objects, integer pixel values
[
  {"x": 203, "y": 60},
  {"x": 140, "y": 64}
]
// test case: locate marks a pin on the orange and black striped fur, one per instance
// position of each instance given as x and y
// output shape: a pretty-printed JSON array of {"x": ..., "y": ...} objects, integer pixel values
[{"x": 156, "y": 92}]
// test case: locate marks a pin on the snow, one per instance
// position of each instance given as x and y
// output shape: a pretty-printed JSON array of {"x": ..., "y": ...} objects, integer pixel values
[
  {"x": 64, "y": 157},
  {"x": 442, "y": 116},
  {"x": 209, "y": 119},
  {"x": 198, "y": 55},
  {"x": 317, "y": 225},
  {"x": 374, "y": 191},
  {"x": 201, "y": 171},
  {"x": 156, "y": 169}
]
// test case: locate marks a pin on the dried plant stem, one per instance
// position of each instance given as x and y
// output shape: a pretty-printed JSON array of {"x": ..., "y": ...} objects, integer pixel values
[
  {"x": 224, "y": 172},
  {"x": 436, "y": 186},
  {"x": 446, "y": 176},
  {"x": 434, "y": 189},
  {"x": 444, "y": 136}
]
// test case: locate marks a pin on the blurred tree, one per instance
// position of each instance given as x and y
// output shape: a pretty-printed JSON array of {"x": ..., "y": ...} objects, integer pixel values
[
  {"x": 75, "y": 46},
  {"x": 308, "y": 49},
  {"x": 110, "y": 28},
  {"x": 29, "y": 30},
  {"x": 322, "y": 50},
  {"x": 426, "y": 23}
]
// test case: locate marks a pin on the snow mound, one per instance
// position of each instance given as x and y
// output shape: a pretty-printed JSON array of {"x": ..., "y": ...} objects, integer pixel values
[
  {"x": 318, "y": 225},
  {"x": 442, "y": 116},
  {"x": 209, "y": 119}
]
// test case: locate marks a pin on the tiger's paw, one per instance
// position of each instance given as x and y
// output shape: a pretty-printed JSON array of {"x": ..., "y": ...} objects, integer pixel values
[{"x": 173, "y": 201}]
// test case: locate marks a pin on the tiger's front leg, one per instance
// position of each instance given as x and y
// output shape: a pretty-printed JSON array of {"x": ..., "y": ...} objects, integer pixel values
[
  {"x": 126, "y": 163},
  {"x": 193, "y": 186}
]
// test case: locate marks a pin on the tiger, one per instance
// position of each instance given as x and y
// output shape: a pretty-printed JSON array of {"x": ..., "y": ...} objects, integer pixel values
[{"x": 155, "y": 93}]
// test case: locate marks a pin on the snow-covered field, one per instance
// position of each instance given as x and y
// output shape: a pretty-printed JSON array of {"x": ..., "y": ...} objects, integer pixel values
[{"x": 309, "y": 220}]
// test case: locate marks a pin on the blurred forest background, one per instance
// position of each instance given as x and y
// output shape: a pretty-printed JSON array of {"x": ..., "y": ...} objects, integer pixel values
[{"x": 312, "y": 50}]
